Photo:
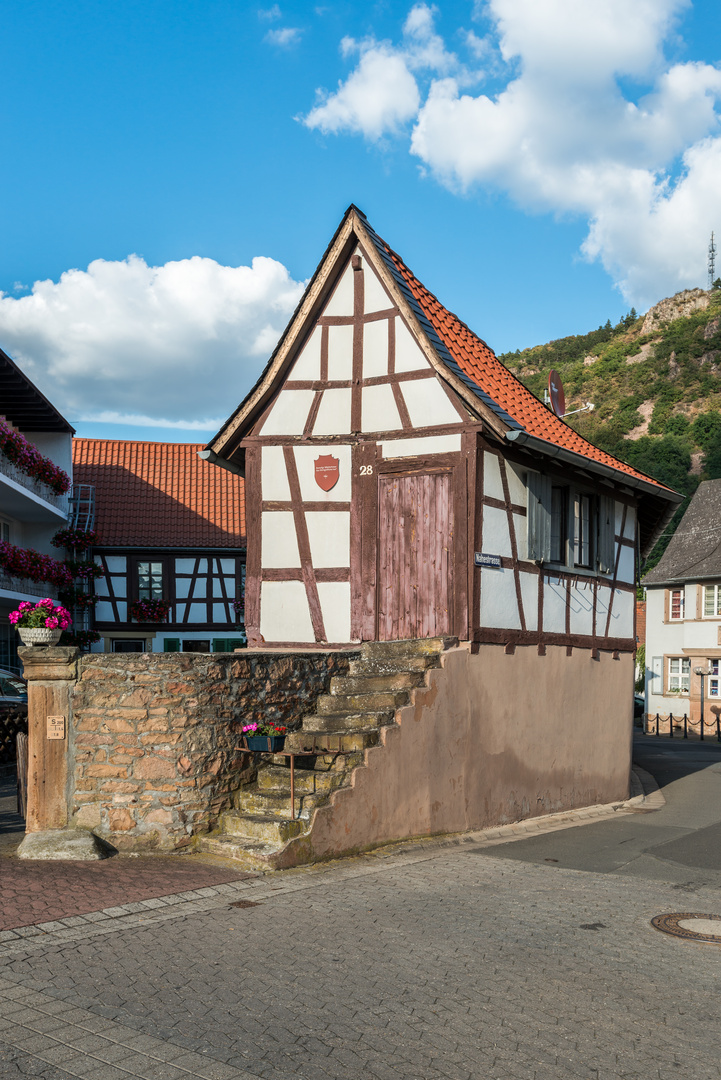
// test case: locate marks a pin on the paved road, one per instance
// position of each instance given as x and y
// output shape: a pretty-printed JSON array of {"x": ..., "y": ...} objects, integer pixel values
[{"x": 462, "y": 962}]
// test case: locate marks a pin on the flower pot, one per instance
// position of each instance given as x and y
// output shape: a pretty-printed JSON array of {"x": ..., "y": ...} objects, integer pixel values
[
  {"x": 265, "y": 742},
  {"x": 38, "y": 635}
]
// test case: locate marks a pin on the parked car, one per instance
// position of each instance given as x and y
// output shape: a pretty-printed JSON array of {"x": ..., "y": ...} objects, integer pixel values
[
  {"x": 639, "y": 706},
  {"x": 13, "y": 690}
]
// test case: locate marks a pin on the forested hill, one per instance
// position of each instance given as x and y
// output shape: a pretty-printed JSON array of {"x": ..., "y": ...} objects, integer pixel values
[{"x": 655, "y": 382}]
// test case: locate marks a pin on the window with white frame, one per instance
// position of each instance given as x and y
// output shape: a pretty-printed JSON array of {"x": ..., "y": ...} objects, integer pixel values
[
  {"x": 712, "y": 601},
  {"x": 676, "y": 604},
  {"x": 713, "y": 681},
  {"x": 584, "y": 520},
  {"x": 679, "y": 674}
]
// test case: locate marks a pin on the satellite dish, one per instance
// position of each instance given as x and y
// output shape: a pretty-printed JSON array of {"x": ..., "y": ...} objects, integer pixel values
[{"x": 555, "y": 392}]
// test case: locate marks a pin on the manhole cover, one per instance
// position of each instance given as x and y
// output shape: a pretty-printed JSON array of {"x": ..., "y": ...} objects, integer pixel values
[{"x": 691, "y": 925}]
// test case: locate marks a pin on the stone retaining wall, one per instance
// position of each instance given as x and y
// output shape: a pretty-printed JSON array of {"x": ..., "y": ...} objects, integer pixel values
[{"x": 153, "y": 735}]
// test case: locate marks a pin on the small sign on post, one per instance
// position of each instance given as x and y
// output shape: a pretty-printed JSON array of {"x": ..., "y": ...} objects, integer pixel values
[{"x": 56, "y": 727}]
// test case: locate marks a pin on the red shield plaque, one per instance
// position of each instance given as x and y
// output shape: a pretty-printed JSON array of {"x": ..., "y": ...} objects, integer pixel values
[{"x": 327, "y": 471}]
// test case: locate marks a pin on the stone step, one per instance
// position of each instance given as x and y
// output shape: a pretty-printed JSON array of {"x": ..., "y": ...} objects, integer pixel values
[
  {"x": 252, "y": 801},
  {"x": 368, "y": 683},
  {"x": 264, "y": 827},
  {"x": 307, "y": 781},
  {"x": 377, "y": 650},
  {"x": 343, "y": 743},
  {"x": 354, "y": 703},
  {"x": 248, "y": 854},
  {"x": 358, "y": 721},
  {"x": 389, "y": 665}
]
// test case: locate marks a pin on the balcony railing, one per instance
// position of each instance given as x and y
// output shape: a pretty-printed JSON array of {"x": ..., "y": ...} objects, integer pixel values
[
  {"x": 7, "y": 468},
  {"x": 31, "y": 588}
]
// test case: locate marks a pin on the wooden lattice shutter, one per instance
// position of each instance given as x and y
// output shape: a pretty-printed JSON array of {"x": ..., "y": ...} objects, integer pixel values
[{"x": 539, "y": 517}]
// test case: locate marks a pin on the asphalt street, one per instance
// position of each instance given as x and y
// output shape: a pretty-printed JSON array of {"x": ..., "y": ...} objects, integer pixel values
[
  {"x": 531, "y": 960},
  {"x": 681, "y": 843}
]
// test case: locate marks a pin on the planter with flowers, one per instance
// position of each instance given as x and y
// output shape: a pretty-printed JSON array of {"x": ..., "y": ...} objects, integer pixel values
[
  {"x": 149, "y": 611},
  {"x": 27, "y": 459},
  {"x": 41, "y": 623},
  {"x": 75, "y": 539},
  {"x": 266, "y": 736}
]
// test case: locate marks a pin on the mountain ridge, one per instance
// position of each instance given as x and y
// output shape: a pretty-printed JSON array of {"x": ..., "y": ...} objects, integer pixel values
[{"x": 655, "y": 383}]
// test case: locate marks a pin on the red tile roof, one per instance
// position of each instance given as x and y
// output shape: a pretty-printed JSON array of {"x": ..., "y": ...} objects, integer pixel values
[
  {"x": 480, "y": 364},
  {"x": 150, "y": 494}
]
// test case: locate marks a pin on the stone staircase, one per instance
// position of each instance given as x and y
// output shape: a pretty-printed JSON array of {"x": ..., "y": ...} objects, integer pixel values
[{"x": 330, "y": 744}]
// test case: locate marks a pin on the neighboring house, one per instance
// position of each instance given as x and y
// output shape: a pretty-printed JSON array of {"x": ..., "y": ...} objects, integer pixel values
[
  {"x": 35, "y": 467},
  {"x": 403, "y": 483},
  {"x": 171, "y": 532},
  {"x": 683, "y": 614}
]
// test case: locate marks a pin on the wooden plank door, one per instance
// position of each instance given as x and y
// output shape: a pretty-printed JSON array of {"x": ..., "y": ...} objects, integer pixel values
[{"x": 415, "y": 555}]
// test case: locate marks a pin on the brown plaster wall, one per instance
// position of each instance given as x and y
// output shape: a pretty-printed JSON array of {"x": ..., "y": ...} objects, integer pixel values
[
  {"x": 495, "y": 738},
  {"x": 153, "y": 735}
]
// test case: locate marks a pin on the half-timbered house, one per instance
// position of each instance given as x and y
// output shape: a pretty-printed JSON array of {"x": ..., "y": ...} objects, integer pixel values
[
  {"x": 402, "y": 483},
  {"x": 171, "y": 533}
]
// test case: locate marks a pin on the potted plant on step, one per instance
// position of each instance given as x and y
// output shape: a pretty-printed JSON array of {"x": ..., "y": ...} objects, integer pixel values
[
  {"x": 41, "y": 623},
  {"x": 265, "y": 736}
]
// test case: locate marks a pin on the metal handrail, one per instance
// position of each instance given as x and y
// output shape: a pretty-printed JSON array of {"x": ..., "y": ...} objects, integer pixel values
[{"x": 292, "y": 754}]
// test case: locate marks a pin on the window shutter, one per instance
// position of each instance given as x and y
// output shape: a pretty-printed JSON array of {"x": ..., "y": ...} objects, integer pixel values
[
  {"x": 219, "y": 645},
  {"x": 606, "y": 546},
  {"x": 237, "y": 643},
  {"x": 171, "y": 644},
  {"x": 539, "y": 517}
]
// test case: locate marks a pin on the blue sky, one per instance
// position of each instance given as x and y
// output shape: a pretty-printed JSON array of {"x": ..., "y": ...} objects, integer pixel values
[{"x": 174, "y": 171}]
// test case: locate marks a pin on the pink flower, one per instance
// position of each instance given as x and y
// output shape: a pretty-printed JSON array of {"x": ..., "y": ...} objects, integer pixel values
[
  {"x": 14, "y": 616},
  {"x": 47, "y": 603},
  {"x": 51, "y": 623}
]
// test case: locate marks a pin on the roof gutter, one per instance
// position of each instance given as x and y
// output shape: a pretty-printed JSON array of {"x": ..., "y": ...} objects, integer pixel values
[
  {"x": 213, "y": 459},
  {"x": 551, "y": 450}
]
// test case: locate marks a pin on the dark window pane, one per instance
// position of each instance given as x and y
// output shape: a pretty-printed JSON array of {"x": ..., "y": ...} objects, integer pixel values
[
  {"x": 196, "y": 646},
  {"x": 558, "y": 524}
]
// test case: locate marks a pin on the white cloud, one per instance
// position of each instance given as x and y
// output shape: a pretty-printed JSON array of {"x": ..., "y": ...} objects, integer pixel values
[
  {"x": 284, "y": 37},
  {"x": 271, "y": 14},
  {"x": 563, "y": 132},
  {"x": 376, "y": 99},
  {"x": 381, "y": 94},
  {"x": 185, "y": 340}
]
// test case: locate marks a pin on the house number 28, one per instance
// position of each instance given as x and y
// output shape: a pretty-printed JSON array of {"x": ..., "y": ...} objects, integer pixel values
[{"x": 366, "y": 470}]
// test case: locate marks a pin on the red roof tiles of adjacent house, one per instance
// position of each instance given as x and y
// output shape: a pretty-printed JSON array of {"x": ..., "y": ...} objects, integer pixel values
[
  {"x": 151, "y": 494},
  {"x": 480, "y": 364}
]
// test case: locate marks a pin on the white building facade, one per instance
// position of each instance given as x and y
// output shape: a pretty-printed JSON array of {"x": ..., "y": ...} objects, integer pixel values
[
  {"x": 31, "y": 510},
  {"x": 683, "y": 620}
]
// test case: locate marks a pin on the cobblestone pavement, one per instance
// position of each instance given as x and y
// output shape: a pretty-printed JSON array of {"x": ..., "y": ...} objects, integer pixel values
[
  {"x": 421, "y": 963},
  {"x": 45, "y": 892}
]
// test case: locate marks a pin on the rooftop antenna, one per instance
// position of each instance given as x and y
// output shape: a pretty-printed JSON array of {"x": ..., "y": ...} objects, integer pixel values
[{"x": 711, "y": 263}]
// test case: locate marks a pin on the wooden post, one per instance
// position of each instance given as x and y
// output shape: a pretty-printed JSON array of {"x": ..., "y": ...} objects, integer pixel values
[{"x": 51, "y": 673}]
